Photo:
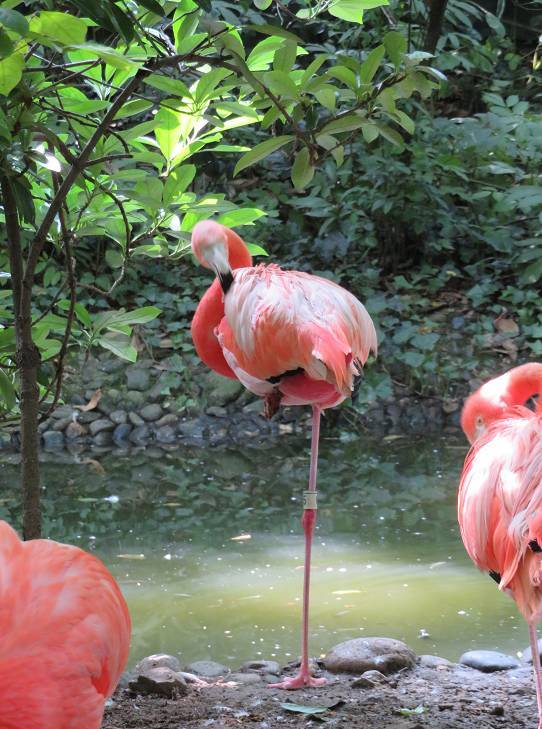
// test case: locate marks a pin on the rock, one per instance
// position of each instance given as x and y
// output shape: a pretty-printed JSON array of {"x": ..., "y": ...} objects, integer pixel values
[
  {"x": 64, "y": 411},
  {"x": 168, "y": 419},
  {"x": 102, "y": 424},
  {"x": 286, "y": 428},
  {"x": 161, "y": 680},
  {"x": 53, "y": 440},
  {"x": 221, "y": 390},
  {"x": 261, "y": 667},
  {"x": 103, "y": 438},
  {"x": 134, "y": 399},
  {"x": 526, "y": 654},
  {"x": 209, "y": 669},
  {"x": 369, "y": 679},
  {"x": 119, "y": 417},
  {"x": 75, "y": 430},
  {"x": 135, "y": 419},
  {"x": 246, "y": 678},
  {"x": 46, "y": 424},
  {"x": 192, "y": 428},
  {"x": 89, "y": 417},
  {"x": 488, "y": 661},
  {"x": 255, "y": 407},
  {"x": 437, "y": 662},
  {"x": 140, "y": 435},
  {"x": 166, "y": 434},
  {"x": 366, "y": 654},
  {"x": 121, "y": 432},
  {"x": 158, "y": 660},
  {"x": 216, "y": 411},
  {"x": 151, "y": 412},
  {"x": 62, "y": 423},
  {"x": 137, "y": 379}
]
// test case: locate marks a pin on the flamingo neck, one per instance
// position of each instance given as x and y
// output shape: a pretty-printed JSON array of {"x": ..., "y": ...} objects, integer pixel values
[
  {"x": 238, "y": 253},
  {"x": 208, "y": 316},
  {"x": 523, "y": 382}
]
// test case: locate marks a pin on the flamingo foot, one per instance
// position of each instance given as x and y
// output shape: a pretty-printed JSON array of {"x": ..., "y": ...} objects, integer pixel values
[{"x": 302, "y": 679}]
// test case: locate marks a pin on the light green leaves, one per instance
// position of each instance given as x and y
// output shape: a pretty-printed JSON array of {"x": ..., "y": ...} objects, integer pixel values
[
  {"x": 302, "y": 169},
  {"x": 170, "y": 124},
  {"x": 352, "y": 10},
  {"x": 11, "y": 70},
  {"x": 112, "y": 330},
  {"x": 370, "y": 66},
  {"x": 396, "y": 46},
  {"x": 12, "y": 20},
  {"x": 50, "y": 27},
  {"x": 260, "y": 151}
]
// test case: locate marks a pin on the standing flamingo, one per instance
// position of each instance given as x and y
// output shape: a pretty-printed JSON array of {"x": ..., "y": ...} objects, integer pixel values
[
  {"x": 64, "y": 635},
  {"x": 500, "y": 494},
  {"x": 287, "y": 336}
]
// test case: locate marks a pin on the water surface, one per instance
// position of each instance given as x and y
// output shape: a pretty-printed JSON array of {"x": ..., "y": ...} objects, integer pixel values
[{"x": 207, "y": 546}]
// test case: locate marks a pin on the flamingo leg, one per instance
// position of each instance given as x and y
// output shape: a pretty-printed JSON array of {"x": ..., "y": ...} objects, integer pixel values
[
  {"x": 533, "y": 638},
  {"x": 308, "y": 522}
]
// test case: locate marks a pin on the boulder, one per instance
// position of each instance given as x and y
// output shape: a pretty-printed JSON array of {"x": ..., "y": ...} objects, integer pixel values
[
  {"x": 369, "y": 654},
  {"x": 161, "y": 680},
  {"x": 488, "y": 661},
  {"x": 209, "y": 669}
]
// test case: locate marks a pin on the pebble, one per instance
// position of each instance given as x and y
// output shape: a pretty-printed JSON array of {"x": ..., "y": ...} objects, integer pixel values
[
  {"x": 88, "y": 417},
  {"x": 151, "y": 412},
  {"x": 119, "y": 417},
  {"x": 246, "y": 678},
  {"x": 430, "y": 661},
  {"x": 209, "y": 669},
  {"x": 216, "y": 411},
  {"x": 62, "y": 423},
  {"x": 102, "y": 424},
  {"x": 137, "y": 379},
  {"x": 64, "y": 411},
  {"x": 140, "y": 435},
  {"x": 135, "y": 419},
  {"x": 488, "y": 661},
  {"x": 75, "y": 430},
  {"x": 161, "y": 680},
  {"x": 121, "y": 432},
  {"x": 168, "y": 419},
  {"x": 365, "y": 654},
  {"x": 158, "y": 660},
  {"x": 103, "y": 438},
  {"x": 53, "y": 439},
  {"x": 369, "y": 679},
  {"x": 261, "y": 667},
  {"x": 166, "y": 434},
  {"x": 192, "y": 428}
]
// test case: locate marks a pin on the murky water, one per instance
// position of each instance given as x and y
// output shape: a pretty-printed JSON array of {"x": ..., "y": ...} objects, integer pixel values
[{"x": 208, "y": 548}]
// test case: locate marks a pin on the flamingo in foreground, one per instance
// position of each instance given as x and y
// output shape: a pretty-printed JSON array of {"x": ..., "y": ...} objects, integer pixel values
[
  {"x": 64, "y": 635},
  {"x": 289, "y": 337},
  {"x": 500, "y": 494}
]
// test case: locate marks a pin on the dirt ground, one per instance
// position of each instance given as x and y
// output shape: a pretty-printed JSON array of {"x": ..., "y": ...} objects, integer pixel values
[{"x": 450, "y": 697}]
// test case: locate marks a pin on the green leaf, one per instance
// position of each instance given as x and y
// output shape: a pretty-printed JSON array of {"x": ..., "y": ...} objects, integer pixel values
[
  {"x": 170, "y": 85},
  {"x": 302, "y": 169},
  {"x": 14, "y": 21},
  {"x": 168, "y": 130},
  {"x": 256, "y": 250},
  {"x": 107, "y": 54},
  {"x": 262, "y": 4},
  {"x": 282, "y": 84},
  {"x": 58, "y": 27},
  {"x": 120, "y": 345},
  {"x": 352, "y": 10},
  {"x": 138, "y": 316},
  {"x": 396, "y": 45},
  {"x": 6, "y": 44},
  {"x": 7, "y": 391},
  {"x": 302, "y": 709},
  {"x": 268, "y": 29},
  {"x": 177, "y": 182},
  {"x": 390, "y": 134},
  {"x": 11, "y": 70},
  {"x": 369, "y": 67},
  {"x": 153, "y": 6},
  {"x": 241, "y": 216},
  {"x": 133, "y": 107},
  {"x": 260, "y": 151},
  {"x": 346, "y": 123},
  {"x": 412, "y": 712}
]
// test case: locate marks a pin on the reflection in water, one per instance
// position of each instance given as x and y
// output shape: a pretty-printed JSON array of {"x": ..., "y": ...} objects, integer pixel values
[{"x": 208, "y": 548}]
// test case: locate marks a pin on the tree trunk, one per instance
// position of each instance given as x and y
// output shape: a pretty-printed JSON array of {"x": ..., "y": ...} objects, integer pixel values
[
  {"x": 437, "y": 9},
  {"x": 27, "y": 358}
]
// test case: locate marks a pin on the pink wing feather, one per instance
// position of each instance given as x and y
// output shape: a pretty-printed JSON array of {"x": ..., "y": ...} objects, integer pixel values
[
  {"x": 277, "y": 321},
  {"x": 64, "y": 635}
]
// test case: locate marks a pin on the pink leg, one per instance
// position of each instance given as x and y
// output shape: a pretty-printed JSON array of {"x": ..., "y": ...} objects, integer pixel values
[
  {"x": 308, "y": 521},
  {"x": 537, "y": 670}
]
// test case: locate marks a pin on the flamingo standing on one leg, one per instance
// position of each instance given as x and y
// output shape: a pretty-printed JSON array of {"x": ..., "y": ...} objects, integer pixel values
[
  {"x": 292, "y": 338},
  {"x": 64, "y": 635},
  {"x": 500, "y": 494}
]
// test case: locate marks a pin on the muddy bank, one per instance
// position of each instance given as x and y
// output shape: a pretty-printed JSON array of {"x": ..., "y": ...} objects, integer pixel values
[{"x": 440, "y": 695}]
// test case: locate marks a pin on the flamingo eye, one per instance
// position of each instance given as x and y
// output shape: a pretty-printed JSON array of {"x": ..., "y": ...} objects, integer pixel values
[{"x": 479, "y": 422}]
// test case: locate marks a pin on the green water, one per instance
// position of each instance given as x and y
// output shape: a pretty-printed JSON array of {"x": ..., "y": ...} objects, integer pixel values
[{"x": 207, "y": 546}]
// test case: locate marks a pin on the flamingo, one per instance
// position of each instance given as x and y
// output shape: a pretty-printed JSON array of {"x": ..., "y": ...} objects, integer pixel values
[
  {"x": 287, "y": 336},
  {"x": 64, "y": 635},
  {"x": 500, "y": 493}
]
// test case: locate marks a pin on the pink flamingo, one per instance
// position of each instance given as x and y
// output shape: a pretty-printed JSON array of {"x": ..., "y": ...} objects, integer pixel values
[
  {"x": 64, "y": 635},
  {"x": 500, "y": 494},
  {"x": 289, "y": 337}
]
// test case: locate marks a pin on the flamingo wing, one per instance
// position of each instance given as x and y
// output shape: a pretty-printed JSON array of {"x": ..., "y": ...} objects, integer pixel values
[
  {"x": 280, "y": 322},
  {"x": 500, "y": 506},
  {"x": 64, "y": 634}
]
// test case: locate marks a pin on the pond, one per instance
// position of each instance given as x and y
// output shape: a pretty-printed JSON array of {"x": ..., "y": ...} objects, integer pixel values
[{"x": 207, "y": 545}]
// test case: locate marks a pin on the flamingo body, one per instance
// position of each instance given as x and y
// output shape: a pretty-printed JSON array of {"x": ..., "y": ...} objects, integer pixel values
[
  {"x": 287, "y": 336},
  {"x": 500, "y": 492},
  {"x": 64, "y": 635}
]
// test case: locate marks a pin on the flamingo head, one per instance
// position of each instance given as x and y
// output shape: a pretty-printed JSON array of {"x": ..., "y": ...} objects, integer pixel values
[
  {"x": 479, "y": 411},
  {"x": 210, "y": 246}
]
